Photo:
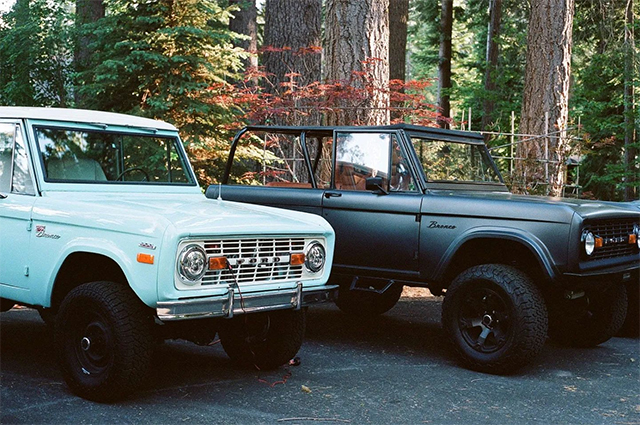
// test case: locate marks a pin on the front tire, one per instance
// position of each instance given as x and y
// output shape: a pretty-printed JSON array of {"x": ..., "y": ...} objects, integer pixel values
[
  {"x": 590, "y": 320},
  {"x": 103, "y": 340},
  {"x": 495, "y": 317},
  {"x": 263, "y": 340}
]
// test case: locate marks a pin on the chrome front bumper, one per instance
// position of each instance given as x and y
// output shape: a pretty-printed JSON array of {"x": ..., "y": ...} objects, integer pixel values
[{"x": 234, "y": 302}]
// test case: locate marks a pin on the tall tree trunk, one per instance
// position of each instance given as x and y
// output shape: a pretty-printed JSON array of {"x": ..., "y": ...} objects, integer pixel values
[
  {"x": 245, "y": 22},
  {"x": 444, "y": 64},
  {"x": 87, "y": 12},
  {"x": 357, "y": 40},
  {"x": 630, "y": 133},
  {"x": 292, "y": 56},
  {"x": 489, "y": 103},
  {"x": 398, "y": 19},
  {"x": 546, "y": 91}
]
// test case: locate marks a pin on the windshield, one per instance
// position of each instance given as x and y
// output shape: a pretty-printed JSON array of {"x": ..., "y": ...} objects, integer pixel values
[
  {"x": 445, "y": 161},
  {"x": 81, "y": 156}
]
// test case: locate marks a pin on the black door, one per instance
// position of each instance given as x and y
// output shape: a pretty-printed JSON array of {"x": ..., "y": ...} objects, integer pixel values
[{"x": 376, "y": 230}]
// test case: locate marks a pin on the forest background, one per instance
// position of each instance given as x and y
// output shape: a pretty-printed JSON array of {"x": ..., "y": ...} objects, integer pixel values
[{"x": 212, "y": 66}]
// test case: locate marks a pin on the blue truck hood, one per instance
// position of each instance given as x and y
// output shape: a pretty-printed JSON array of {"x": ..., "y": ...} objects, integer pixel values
[{"x": 189, "y": 214}]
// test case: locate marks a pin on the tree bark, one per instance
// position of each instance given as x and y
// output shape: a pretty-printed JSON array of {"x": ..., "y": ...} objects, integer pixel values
[
  {"x": 87, "y": 12},
  {"x": 546, "y": 90},
  {"x": 488, "y": 104},
  {"x": 357, "y": 41},
  {"x": 444, "y": 64},
  {"x": 398, "y": 18},
  {"x": 292, "y": 37},
  {"x": 292, "y": 53},
  {"x": 630, "y": 133},
  {"x": 245, "y": 22}
]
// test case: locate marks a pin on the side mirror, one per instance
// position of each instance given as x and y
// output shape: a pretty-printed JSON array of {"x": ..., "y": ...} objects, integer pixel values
[{"x": 374, "y": 184}]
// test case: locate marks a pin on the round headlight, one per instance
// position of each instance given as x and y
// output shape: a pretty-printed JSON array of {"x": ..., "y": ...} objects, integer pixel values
[
  {"x": 192, "y": 264},
  {"x": 315, "y": 257},
  {"x": 589, "y": 241},
  {"x": 636, "y": 230}
]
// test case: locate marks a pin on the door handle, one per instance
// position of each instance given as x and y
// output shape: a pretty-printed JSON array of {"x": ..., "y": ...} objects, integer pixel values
[{"x": 332, "y": 194}]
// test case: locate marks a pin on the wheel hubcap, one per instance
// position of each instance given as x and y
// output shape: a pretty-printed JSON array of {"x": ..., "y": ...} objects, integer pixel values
[
  {"x": 93, "y": 345},
  {"x": 484, "y": 319},
  {"x": 85, "y": 344}
]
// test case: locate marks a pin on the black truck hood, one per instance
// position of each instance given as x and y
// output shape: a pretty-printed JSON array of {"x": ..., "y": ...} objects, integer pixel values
[{"x": 524, "y": 207}]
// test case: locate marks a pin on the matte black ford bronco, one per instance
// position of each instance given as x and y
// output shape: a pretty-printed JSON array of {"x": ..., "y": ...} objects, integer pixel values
[{"x": 428, "y": 207}]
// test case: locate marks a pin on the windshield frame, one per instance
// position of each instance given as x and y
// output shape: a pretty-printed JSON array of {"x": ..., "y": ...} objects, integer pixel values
[
  {"x": 171, "y": 137},
  {"x": 487, "y": 159}
]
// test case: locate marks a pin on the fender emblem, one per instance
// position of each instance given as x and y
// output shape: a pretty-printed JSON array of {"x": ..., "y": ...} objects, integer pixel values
[
  {"x": 41, "y": 232},
  {"x": 147, "y": 246},
  {"x": 436, "y": 225}
]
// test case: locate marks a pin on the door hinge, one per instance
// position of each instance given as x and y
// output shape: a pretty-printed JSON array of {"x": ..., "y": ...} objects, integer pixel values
[
  {"x": 418, "y": 218},
  {"x": 29, "y": 225}
]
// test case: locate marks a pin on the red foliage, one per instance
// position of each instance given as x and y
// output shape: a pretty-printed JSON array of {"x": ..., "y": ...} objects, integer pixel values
[{"x": 295, "y": 103}]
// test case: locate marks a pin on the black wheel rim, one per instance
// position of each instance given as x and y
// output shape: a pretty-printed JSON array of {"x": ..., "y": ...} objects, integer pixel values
[
  {"x": 92, "y": 343},
  {"x": 484, "y": 320}
]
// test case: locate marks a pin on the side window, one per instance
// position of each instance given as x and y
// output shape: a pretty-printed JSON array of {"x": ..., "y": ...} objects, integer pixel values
[
  {"x": 7, "y": 134},
  {"x": 270, "y": 160},
  {"x": 15, "y": 173},
  {"x": 363, "y": 155},
  {"x": 401, "y": 180},
  {"x": 320, "y": 149}
]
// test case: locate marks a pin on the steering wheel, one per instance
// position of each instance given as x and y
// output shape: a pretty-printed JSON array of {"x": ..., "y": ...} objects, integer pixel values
[{"x": 128, "y": 170}]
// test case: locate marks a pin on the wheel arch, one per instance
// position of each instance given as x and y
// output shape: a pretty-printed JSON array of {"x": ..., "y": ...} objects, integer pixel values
[
  {"x": 83, "y": 267},
  {"x": 519, "y": 249}
]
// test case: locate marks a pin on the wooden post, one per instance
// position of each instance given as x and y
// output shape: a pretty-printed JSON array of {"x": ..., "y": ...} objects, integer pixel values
[{"x": 546, "y": 150}]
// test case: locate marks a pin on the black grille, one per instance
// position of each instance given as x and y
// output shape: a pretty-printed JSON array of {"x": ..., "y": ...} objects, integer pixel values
[{"x": 615, "y": 236}]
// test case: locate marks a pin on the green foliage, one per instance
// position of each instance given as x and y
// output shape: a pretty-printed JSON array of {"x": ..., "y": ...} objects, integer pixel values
[
  {"x": 471, "y": 19},
  {"x": 35, "y": 54},
  {"x": 168, "y": 60},
  {"x": 598, "y": 98}
]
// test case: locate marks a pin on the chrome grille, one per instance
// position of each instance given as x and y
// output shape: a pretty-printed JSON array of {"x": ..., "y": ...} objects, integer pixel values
[
  {"x": 254, "y": 260},
  {"x": 615, "y": 234}
]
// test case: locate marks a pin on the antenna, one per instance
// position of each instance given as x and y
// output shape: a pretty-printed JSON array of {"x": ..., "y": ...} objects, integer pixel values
[{"x": 219, "y": 192}]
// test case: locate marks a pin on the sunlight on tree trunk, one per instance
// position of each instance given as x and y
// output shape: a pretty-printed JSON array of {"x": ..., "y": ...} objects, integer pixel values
[
  {"x": 546, "y": 90},
  {"x": 357, "y": 37}
]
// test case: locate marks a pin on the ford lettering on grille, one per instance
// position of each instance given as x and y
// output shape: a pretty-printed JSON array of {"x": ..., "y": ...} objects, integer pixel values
[{"x": 254, "y": 260}]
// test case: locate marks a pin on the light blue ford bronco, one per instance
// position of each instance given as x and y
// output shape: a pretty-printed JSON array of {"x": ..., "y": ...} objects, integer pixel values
[{"x": 107, "y": 233}]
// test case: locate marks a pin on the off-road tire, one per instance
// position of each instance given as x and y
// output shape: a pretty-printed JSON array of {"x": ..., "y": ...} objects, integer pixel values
[
  {"x": 103, "y": 340},
  {"x": 631, "y": 326},
  {"x": 263, "y": 340},
  {"x": 590, "y": 320},
  {"x": 367, "y": 303},
  {"x": 495, "y": 318}
]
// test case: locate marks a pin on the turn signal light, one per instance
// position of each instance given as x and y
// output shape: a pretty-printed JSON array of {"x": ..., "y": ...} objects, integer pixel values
[
  {"x": 145, "y": 258},
  {"x": 297, "y": 259},
  {"x": 633, "y": 238},
  {"x": 599, "y": 242},
  {"x": 218, "y": 263}
]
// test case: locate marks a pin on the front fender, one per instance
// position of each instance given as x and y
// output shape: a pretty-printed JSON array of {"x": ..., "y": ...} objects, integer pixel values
[
  {"x": 527, "y": 239},
  {"x": 141, "y": 277}
]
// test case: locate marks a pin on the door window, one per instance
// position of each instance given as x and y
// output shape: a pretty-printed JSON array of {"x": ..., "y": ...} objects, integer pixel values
[
  {"x": 15, "y": 172},
  {"x": 363, "y": 155}
]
